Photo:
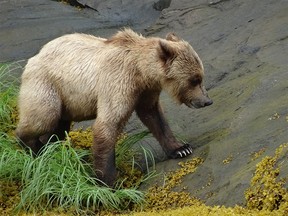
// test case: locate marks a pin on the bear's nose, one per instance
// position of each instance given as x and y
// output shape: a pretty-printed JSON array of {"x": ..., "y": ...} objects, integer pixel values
[{"x": 208, "y": 103}]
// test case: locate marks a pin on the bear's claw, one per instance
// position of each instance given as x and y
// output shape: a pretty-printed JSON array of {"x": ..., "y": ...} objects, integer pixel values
[{"x": 183, "y": 151}]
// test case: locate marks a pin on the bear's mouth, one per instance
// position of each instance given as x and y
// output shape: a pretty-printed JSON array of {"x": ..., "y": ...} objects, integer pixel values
[
  {"x": 198, "y": 103},
  {"x": 192, "y": 105}
]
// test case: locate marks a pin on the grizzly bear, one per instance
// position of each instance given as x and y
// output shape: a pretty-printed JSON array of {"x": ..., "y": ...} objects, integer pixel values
[{"x": 78, "y": 77}]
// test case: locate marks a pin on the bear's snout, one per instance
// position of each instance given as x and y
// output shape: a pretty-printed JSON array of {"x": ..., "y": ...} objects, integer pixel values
[
  {"x": 200, "y": 99},
  {"x": 200, "y": 103},
  {"x": 204, "y": 99},
  {"x": 208, "y": 102}
]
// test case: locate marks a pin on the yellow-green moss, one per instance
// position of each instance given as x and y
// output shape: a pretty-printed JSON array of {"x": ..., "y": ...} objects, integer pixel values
[
  {"x": 9, "y": 196},
  {"x": 163, "y": 197},
  {"x": 204, "y": 210},
  {"x": 228, "y": 159},
  {"x": 257, "y": 154},
  {"x": 267, "y": 190},
  {"x": 81, "y": 138},
  {"x": 266, "y": 196}
]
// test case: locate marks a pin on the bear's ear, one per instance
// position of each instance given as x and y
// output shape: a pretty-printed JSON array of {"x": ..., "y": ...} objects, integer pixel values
[
  {"x": 167, "y": 52},
  {"x": 172, "y": 37}
]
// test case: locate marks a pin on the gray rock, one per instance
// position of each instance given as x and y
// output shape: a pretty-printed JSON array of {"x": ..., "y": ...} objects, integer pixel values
[
  {"x": 125, "y": 12},
  {"x": 244, "y": 51},
  {"x": 27, "y": 25}
]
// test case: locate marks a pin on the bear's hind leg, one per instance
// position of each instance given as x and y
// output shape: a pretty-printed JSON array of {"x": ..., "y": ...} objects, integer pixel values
[
  {"x": 63, "y": 127},
  {"x": 30, "y": 134},
  {"x": 29, "y": 140},
  {"x": 60, "y": 131},
  {"x": 39, "y": 114},
  {"x": 36, "y": 138}
]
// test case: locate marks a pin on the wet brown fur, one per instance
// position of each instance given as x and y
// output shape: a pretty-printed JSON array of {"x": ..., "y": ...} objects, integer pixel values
[{"x": 78, "y": 77}]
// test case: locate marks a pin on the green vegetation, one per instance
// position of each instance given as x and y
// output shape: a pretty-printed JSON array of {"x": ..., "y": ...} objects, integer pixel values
[
  {"x": 8, "y": 93},
  {"x": 61, "y": 176},
  {"x": 267, "y": 190}
]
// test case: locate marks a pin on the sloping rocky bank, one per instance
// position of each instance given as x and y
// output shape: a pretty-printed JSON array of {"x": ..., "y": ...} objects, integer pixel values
[{"x": 243, "y": 45}]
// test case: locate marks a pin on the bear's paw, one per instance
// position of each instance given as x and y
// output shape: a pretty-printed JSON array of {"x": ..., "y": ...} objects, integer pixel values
[{"x": 182, "y": 152}]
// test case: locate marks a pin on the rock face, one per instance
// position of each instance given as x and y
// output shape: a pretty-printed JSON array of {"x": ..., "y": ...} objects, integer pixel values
[
  {"x": 244, "y": 51},
  {"x": 27, "y": 25},
  {"x": 243, "y": 45}
]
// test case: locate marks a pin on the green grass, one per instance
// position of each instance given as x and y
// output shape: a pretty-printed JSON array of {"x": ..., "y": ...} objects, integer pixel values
[
  {"x": 8, "y": 93},
  {"x": 127, "y": 155},
  {"x": 12, "y": 158},
  {"x": 61, "y": 176}
]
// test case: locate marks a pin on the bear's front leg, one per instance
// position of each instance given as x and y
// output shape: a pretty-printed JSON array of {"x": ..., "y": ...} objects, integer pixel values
[
  {"x": 103, "y": 151},
  {"x": 152, "y": 116}
]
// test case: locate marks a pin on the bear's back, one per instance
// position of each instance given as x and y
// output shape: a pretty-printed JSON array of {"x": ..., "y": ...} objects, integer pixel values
[
  {"x": 82, "y": 69},
  {"x": 68, "y": 57}
]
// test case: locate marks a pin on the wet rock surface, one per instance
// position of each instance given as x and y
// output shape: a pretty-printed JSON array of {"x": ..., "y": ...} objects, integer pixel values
[
  {"x": 243, "y": 45},
  {"x": 27, "y": 25},
  {"x": 244, "y": 52}
]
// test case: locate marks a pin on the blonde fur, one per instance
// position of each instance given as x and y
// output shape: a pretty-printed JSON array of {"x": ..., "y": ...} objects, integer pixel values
[{"x": 78, "y": 77}]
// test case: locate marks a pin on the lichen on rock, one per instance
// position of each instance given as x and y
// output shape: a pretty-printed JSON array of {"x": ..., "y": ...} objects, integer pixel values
[
  {"x": 164, "y": 197},
  {"x": 267, "y": 190}
]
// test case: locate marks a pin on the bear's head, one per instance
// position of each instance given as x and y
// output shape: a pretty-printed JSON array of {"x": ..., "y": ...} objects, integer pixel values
[{"x": 183, "y": 72}]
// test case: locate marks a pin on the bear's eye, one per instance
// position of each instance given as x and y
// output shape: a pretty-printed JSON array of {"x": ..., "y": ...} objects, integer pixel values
[{"x": 196, "y": 81}]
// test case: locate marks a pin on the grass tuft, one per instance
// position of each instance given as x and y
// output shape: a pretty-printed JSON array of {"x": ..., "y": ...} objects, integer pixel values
[
  {"x": 131, "y": 175},
  {"x": 11, "y": 158},
  {"x": 60, "y": 176},
  {"x": 8, "y": 93}
]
